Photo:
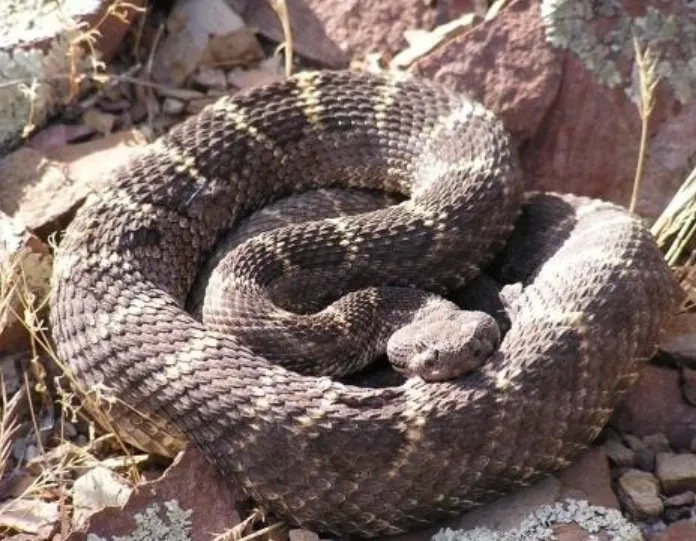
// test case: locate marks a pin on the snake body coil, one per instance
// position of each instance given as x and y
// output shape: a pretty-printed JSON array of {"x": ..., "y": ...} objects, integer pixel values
[{"x": 326, "y": 455}]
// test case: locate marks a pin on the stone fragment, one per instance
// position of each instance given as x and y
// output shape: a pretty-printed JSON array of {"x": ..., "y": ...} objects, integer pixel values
[
  {"x": 297, "y": 534},
  {"x": 672, "y": 514},
  {"x": 619, "y": 454},
  {"x": 190, "y": 30},
  {"x": 172, "y": 106},
  {"x": 683, "y": 498},
  {"x": 640, "y": 493},
  {"x": 29, "y": 516},
  {"x": 99, "y": 120},
  {"x": 210, "y": 78},
  {"x": 95, "y": 490},
  {"x": 676, "y": 472}
]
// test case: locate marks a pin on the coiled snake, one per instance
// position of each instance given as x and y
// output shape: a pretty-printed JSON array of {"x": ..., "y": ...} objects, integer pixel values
[{"x": 324, "y": 454}]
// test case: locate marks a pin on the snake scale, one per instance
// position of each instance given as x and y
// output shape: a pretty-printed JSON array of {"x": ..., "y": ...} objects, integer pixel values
[{"x": 325, "y": 454}]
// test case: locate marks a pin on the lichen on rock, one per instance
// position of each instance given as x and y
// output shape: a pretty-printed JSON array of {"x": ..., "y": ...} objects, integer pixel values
[
  {"x": 539, "y": 525},
  {"x": 606, "y": 49},
  {"x": 175, "y": 525}
]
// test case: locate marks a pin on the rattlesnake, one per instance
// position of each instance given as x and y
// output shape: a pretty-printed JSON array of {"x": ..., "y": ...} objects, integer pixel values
[{"x": 320, "y": 453}]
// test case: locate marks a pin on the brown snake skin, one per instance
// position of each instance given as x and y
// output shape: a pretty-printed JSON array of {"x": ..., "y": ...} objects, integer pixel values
[{"x": 333, "y": 457}]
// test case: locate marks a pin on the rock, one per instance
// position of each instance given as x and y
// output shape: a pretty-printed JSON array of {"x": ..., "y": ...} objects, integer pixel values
[
  {"x": 619, "y": 454},
  {"x": 645, "y": 459},
  {"x": 11, "y": 371},
  {"x": 302, "y": 535},
  {"x": 332, "y": 32},
  {"x": 189, "y": 501},
  {"x": 269, "y": 70},
  {"x": 634, "y": 442},
  {"x": 504, "y": 63},
  {"x": 196, "y": 106},
  {"x": 95, "y": 490},
  {"x": 43, "y": 190},
  {"x": 571, "y": 520},
  {"x": 37, "y": 44},
  {"x": 25, "y": 271},
  {"x": 683, "y": 498},
  {"x": 688, "y": 385},
  {"x": 29, "y": 516},
  {"x": 676, "y": 472},
  {"x": 31, "y": 453},
  {"x": 684, "y": 530},
  {"x": 654, "y": 405},
  {"x": 99, "y": 120},
  {"x": 572, "y": 67},
  {"x": 69, "y": 430},
  {"x": 210, "y": 78},
  {"x": 19, "y": 449},
  {"x": 680, "y": 338},
  {"x": 589, "y": 478},
  {"x": 658, "y": 442},
  {"x": 644, "y": 455},
  {"x": 190, "y": 30},
  {"x": 508, "y": 512},
  {"x": 640, "y": 493},
  {"x": 56, "y": 135},
  {"x": 672, "y": 514},
  {"x": 238, "y": 48},
  {"x": 172, "y": 106}
]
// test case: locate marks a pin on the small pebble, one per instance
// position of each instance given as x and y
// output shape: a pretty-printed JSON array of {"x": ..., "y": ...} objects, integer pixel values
[
  {"x": 19, "y": 449},
  {"x": 32, "y": 452},
  {"x": 81, "y": 440},
  {"x": 684, "y": 498},
  {"x": 210, "y": 78},
  {"x": 618, "y": 453},
  {"x": 672, "y": 514},
  {"x": 172, "y": 106},
  {"x": 658, "y": 442},
  {"x": 645, "y": 459},
  {"x": 302, "y": 535},
  {"x": 634, "y": 442},
  {"x": 69, "y": 430}
]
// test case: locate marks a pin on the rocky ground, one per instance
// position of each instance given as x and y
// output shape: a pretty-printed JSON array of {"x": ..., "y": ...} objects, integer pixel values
[{"x": 563, "y": 75}]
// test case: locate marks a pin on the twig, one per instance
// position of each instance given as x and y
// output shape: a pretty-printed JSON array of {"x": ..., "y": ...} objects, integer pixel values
[{"x": 281, "y": 9}]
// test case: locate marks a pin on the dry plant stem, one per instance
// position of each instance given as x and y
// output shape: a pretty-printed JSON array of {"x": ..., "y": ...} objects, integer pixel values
[
  {"x": 647, "y": 85},
  {"x": 281, "y": 9}
]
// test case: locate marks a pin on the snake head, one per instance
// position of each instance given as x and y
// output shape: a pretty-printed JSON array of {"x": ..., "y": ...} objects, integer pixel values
[{"x": 443, "y": 346}]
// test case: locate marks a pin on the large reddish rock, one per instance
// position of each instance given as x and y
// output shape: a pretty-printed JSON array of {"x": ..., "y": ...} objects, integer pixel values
[
  {"x": 335, "y": 31},
  {"x": 562, "y": 77},
  {"x": 504, "y": 63},
  {"x": 655, "y": 405}
]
